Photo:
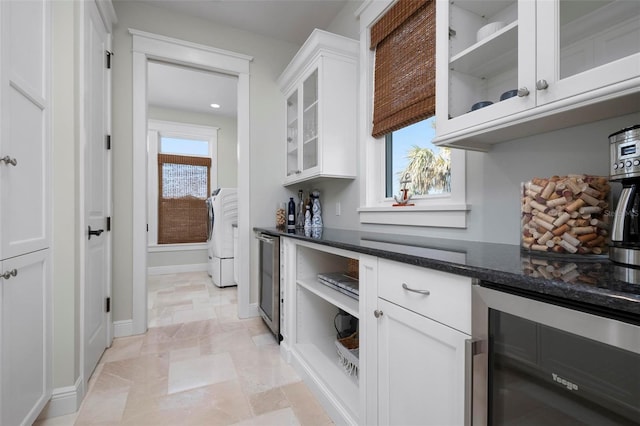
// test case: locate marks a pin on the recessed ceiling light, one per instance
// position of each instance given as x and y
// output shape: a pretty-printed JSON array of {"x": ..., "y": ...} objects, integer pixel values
[{"x": 215, "y": 106}]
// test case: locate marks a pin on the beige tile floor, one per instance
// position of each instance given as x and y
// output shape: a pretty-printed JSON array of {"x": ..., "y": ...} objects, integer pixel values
[{"x": 197, "y": 365}]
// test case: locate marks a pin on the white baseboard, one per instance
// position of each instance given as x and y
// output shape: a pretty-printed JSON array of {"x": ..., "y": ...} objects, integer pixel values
[
  {"x": 65, "y": 400},
  {"x": 175, "y": 269},
  {"x": 123, "y": 328}
]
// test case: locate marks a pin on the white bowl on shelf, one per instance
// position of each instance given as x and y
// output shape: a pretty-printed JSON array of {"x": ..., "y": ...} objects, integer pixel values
[{"x": 489, "y": 29}]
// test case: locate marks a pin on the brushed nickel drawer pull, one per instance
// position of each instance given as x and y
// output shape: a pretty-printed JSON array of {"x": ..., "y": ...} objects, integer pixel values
[{"x": 425, "y": 292}]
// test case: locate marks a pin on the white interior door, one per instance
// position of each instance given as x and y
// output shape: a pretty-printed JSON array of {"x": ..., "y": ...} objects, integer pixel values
[{"x": 97, "y": 198}]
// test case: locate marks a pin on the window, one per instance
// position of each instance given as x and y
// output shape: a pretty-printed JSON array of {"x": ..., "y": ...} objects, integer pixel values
[
  {"x": 182, "y": 174},
  {"x": 439, "y": 198},
  {"x": 413, "y": 163},
  {"x": 184, "y": 186}
]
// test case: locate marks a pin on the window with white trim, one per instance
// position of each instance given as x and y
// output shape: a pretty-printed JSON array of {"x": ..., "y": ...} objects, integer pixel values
[
  {"x": 184, "y": 157},
  {"x": 381, "y": 179}
]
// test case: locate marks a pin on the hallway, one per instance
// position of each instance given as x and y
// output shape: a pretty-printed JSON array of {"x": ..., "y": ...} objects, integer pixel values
[{"x": 198, "y": 364}]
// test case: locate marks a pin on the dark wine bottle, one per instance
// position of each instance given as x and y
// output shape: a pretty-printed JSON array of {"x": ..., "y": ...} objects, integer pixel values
[{"x": 291, "y": 216}]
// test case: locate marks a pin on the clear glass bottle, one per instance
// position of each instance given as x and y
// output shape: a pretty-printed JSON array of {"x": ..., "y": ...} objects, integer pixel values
[{"x": 300, "y": 216}]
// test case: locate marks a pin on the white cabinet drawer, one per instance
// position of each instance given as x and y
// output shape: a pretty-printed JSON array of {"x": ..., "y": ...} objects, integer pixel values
[{"x": 448, "y": 300}]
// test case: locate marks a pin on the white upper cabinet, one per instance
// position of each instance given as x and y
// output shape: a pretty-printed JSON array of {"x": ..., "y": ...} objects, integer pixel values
[
  {"x": 510, "y": 68},
  {"x": 320, "y": 87},
  {"x": 24, "y": 128}
]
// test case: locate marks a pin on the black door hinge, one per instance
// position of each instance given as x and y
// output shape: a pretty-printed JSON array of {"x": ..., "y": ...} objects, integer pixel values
[
  {"x": 109, "y": 55},
  {"x": 107, "y": 306},
  {"x": 107, "y": 139},
  {"x": 108, "y": 223}
]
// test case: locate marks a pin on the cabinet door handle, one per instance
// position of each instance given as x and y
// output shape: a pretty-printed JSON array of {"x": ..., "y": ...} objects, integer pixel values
[
  {"x": 8, "y": 160},
  {"x": 406, "y": 287},
  {"x": 9, "y": 274},
  {"x": 542, "y": 84},
  {"x": 522, "y": 92},
  {"x": 377, "y": 313}
]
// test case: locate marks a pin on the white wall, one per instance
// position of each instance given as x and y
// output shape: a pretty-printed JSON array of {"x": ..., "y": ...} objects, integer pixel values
[
  {"x": 266, "y": 118},
  {"x": 66, "y": 325}
]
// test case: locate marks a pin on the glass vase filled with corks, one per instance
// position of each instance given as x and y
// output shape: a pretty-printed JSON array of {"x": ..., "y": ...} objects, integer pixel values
[
  {"x": 281, "y": 216},
  {"x": 565, "y": 215}
]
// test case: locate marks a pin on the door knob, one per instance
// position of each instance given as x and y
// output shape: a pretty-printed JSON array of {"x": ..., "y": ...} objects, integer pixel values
[
  {"x": 522, "y": 92},
  {"x": 9, "y": 274},
  {"x": 9, "y": 160},
  {"x": 377, "y": 313},
  {"x": 97, "y": 232}
]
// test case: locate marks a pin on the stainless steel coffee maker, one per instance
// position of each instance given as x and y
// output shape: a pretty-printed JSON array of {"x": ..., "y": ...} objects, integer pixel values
[{"x": 625, "y": 168}]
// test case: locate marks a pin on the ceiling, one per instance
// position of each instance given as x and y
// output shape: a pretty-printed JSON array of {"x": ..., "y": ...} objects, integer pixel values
[
  {"x": 188, "y": 89},
  {"x": 287, "y": 20}
]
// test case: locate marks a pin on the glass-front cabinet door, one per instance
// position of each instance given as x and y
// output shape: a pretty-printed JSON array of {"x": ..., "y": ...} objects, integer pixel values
[
  {"x": 586, "y": 45},
  {"x": 292, "y": 134},
  {"x": 490, "y": 61},
  {"x": 501, "y": 63},
  {"x": 310, "y": 121}
]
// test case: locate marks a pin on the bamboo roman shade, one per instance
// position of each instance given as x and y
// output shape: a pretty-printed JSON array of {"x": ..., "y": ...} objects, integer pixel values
[
  {"x": 183, "y": 187},
  {"x": 405, "y": 65}
]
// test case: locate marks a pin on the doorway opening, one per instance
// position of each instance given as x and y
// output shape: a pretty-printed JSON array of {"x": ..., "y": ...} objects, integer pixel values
[
  {"x": 192, "y": 150},
  {"x": 150, "y": 47}
]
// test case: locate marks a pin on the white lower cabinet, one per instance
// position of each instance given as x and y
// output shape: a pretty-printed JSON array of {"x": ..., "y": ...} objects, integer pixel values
[
  {"x": 413, "y": 323},
  {"x": 25, "y": 337},
  {"x": 420, "y": 369},
  {"x": 417, "y": 327}
]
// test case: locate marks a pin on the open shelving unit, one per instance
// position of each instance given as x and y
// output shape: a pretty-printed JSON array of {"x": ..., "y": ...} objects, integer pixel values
[{"x": 317, "y": 309}]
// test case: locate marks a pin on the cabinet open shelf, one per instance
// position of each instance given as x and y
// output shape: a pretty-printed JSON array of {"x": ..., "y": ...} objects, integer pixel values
[
  {"x": 336, "y": 298},
  {"x": 323, "y": 357},
  {"x": 489, "y": 56}
]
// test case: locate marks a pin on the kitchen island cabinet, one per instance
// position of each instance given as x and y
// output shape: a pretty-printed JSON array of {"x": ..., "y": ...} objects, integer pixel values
[
  {"x": 320, "y": 88},
  {"x": 563, "y": 62}
]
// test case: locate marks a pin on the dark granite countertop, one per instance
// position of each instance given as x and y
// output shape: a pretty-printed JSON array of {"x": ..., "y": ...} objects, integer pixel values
[{"x": 594, "y": 284}]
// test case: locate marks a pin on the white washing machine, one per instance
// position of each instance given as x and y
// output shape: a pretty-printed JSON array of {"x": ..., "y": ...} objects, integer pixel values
[{"x": 223, "y": 214}]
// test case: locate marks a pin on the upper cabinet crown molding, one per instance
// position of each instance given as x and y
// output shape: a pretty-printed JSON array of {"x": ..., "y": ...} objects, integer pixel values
[{"x": 319, "y": 42}]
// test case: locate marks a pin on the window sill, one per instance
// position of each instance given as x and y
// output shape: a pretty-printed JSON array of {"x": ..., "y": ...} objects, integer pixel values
[
  {"x": 176, "y": 247},
  {"x": 441, "y": 216}
]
